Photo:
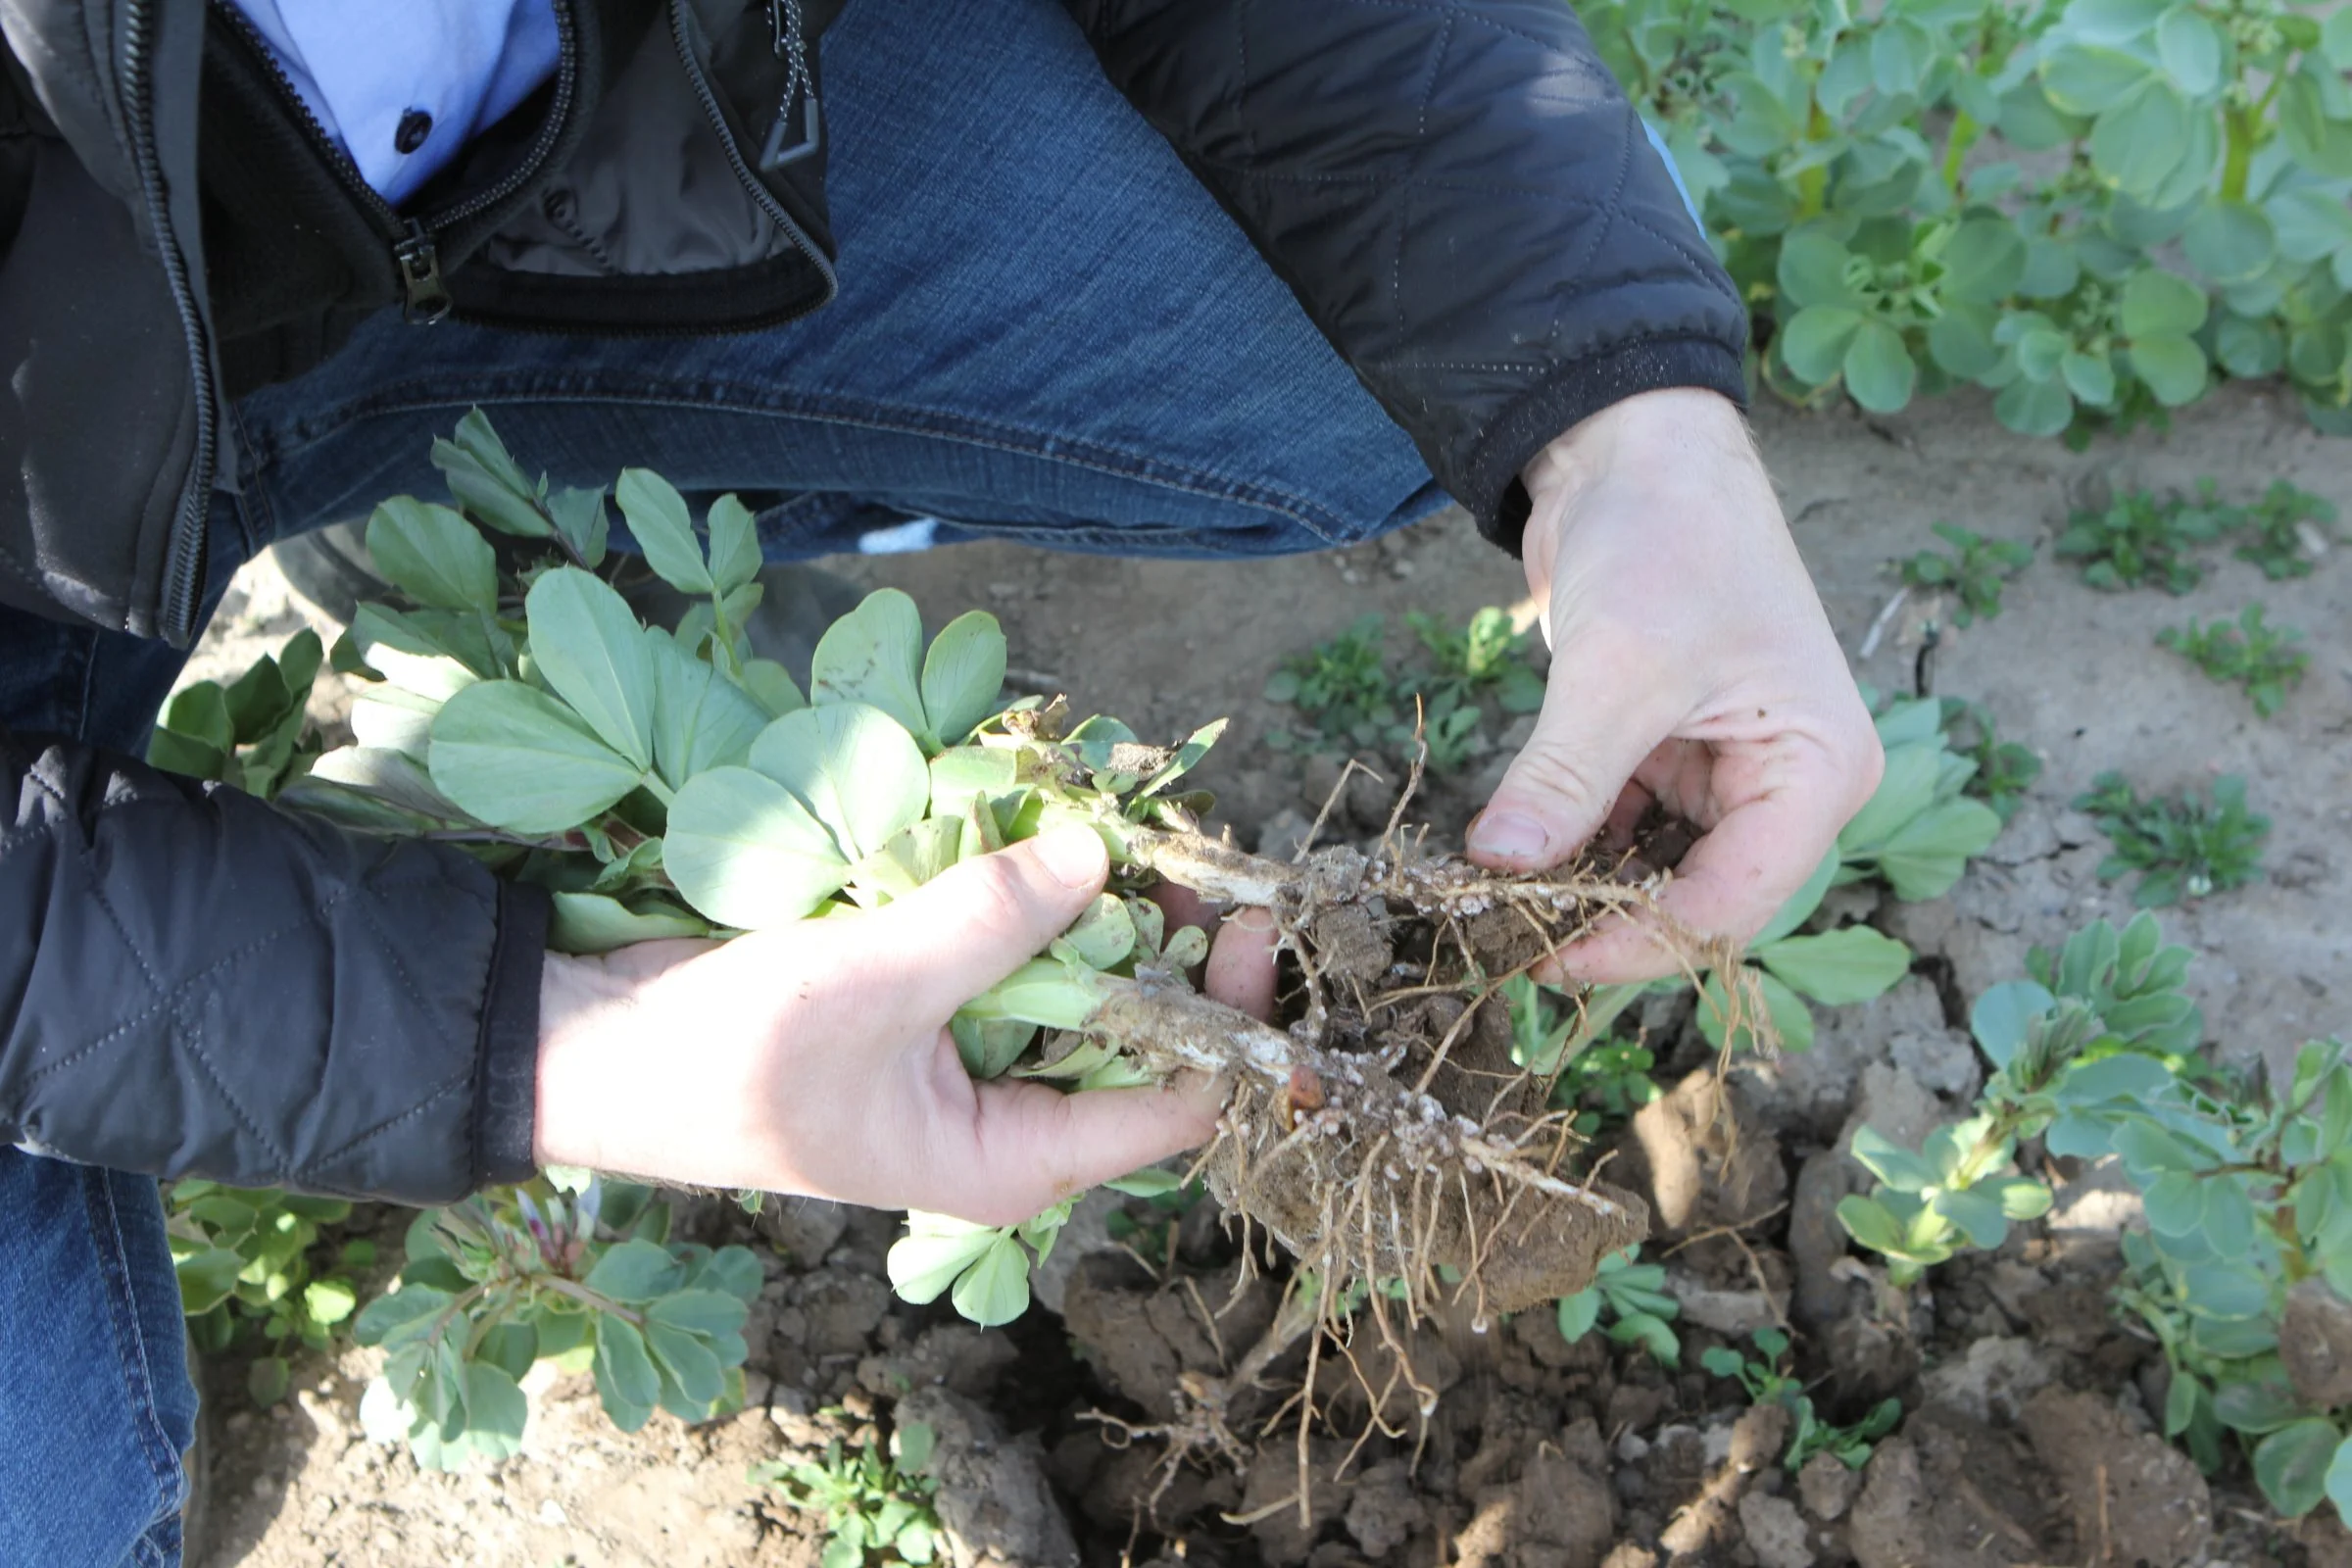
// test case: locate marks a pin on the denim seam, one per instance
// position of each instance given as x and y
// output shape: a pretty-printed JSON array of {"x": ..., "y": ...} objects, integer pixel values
[
  {"x": 1094, "y": 457},
  {"x": 130, "y": 1343}
]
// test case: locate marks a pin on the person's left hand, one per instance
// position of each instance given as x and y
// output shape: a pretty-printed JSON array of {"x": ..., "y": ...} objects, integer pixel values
[{"x": 1691, "y": 666}]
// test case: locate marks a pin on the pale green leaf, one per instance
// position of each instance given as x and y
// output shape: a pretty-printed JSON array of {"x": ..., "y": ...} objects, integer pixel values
[
  {"x": 964, "y": 675},
  {"x": 1880, "y": 373},
  {"x": 995, "y": 1289},
  {"x": 415, "y": 654},
  {"x": 433, "y": 556},
  {"x": 734, "y": 545},
  {"x": 2157, "y": 302},
  {"x": 746, "y": 853},
  {"x": 591, "y": 651},
  {"x": 855, "y": 767},
  {"x": 1815, "y": 341},
  {"x": 702, "y": 721},
  {"x": 2294, "y": 1465},
  {"x": 659, "y": 522},
  {"x": 2173, "y": 366},
  {"x": 510, "y": 755},
  {"x": 933, "y": 1252},
  {"x": 1837, "y": 967},
  {"x": 872, "y": 656},
  {"x": 773, "y": 687},
  {"x": 592, "y": 923},
  {"x": 2229, "y": 241},
  {"x": 496, "y": 1411}
]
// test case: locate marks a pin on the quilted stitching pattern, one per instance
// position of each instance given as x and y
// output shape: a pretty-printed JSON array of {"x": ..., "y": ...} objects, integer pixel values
[
  {"x": 1460, "y": 196},
  {"x": 195, "y": 984}
]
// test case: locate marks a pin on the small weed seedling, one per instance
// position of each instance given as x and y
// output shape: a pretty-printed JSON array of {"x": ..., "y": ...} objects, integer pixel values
[
  {"x": 2249, "y": 653},
  {"x": 244, "y": 1258},
  {"x": 1973, "y": 574},
  {"x": 1344, "y": 686},
  {"x": 1607, "y": 1082},
  {"x": 1767, "y": 1382},
  {"x": 2140, "y": 539},
  {"x": 2005, "y": 769},
  {"x": 875, "y": 1509},
  {"x": 2284, "y": 526},
  {"x": 2183, "y": 847},
  {"x": 1634, "y": 1297},
  {"x": 1604, "y": 1079}
]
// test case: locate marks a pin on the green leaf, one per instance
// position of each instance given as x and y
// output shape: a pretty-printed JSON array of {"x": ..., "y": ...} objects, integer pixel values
[
  {"x": 1105, "y": 934},
  {"x": 495, "y": 1411},
  {"x": 2229, "y": 1219},
  {"x": 1815, "y": 341},
  {"x": 2141, "y": 140},
  {"x": 2338, "y": 1480},
  {"x": 1974, "y": 1214},
  {"x": 512, "y": 756},
  {"x": 633, "y": 1272},
  {"x": 2229, "y": 241},
  {"x": 964, "y": 675},
  {"x": 2190, "y": 48},
  {"x": 659, "y": 522},
  {"x": 935, "y": 1251},
  {"x": 2157, "y": 302},
  {"x": 2035, "y": 407},
  {"x": 1907, "y": 789},
  {"x": 2004, "y": 1013},
  {"x": 1788, "y": 1010},
  {"x": 711, "y": 1314},
  {"x": 267, "y": 1379},
  {"x": 2294, "y": 1464},
  {"x": 511, "y": 1347},
  {"x": 626, "y": 1378},
  {"x": 206, "y": 1278},
  {"x": 700, "y": 719},
  {"x": 1811, "y": 270},
  {"x": 1983, "y": 261},
  {"x": 329, "y": 1301},
  {"x": 592, "y": 653},
  {"x": 401, "y": 1317},
  {"x": 2081, "y": 79},
  {"x": 995, "y": 1289},
  {"x": 734, "y": 545},
  {"x": 582, "y": 521},
  {"x": 2335, "y": 42},
  {"x": 2173, "y": 367},
  {"x": 486, "y": 482},
  {"x": 175, "y": 752},
  {"x": 746, "y": 853},
  {"x": 773, "y": 687},
  {"x": 1879, "y": 370},
  {"x": 1960, "y": 341},
  {"x": 1799, "y": 908},
  {"x": 199, "y": 713},
  {"x": 1868, "y": 1222},
  {"x": 433, "y": 556},
  {"x": 1837, "y": 967},
  {"x": 688, "y": 1360},
  {"x": 871, "y": 656},
  {"x": 1578, "y": 1313},
  {"x": 1898, "y": 1167},
  {"x": 589, "y": 923},
  {"x": 853, "y": 766},
  {"x": 2090, "y": 377}
]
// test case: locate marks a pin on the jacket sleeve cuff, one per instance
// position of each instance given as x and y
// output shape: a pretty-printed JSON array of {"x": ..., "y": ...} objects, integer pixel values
[
  {"x": 505, "y": 1083},
  {"x": 1491, "y": 486}
]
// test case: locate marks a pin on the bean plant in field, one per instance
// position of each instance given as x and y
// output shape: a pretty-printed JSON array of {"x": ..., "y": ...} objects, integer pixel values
[
  {"x": 2090, "y": 208},
  {"x": 249, "y": 1266},
  {"x": 2246, "y": 1187}
]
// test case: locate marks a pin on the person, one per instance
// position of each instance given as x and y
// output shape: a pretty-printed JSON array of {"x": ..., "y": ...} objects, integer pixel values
[{"x": 1210, "y": 279}]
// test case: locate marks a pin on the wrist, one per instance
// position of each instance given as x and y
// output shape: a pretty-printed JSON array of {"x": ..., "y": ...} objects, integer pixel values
[
  {"x": 574, "y": 994},
  {"x": 1673, "y": 434}
]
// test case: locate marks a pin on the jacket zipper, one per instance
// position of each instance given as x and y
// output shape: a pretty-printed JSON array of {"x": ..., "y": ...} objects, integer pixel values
[
  {"x": 183, "y": 551},
  {"x": 415, "y": 243},
  {"x": 759, "y": 192}
]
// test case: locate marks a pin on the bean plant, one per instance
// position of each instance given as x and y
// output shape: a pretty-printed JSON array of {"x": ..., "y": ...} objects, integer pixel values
[
  {"x": 1766, "y": 1380},
  {"x": 869, "y": 1503},
  {"x": 249, "y": 1268},
  {"x": 1866, "y": 175},
  {"x": 2243, "y": 1181},
  {"x": 1633, "y": 1295}
]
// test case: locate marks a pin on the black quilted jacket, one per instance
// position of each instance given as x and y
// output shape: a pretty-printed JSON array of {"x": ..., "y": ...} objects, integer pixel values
[{"x": 193, "y": 983}]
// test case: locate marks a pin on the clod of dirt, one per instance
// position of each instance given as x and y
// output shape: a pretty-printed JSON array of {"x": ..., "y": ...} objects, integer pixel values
[
  {"x": 951, "y": 1356},
  {"x": 1991, "y": 1381},
  {"x": 1817, "y": 1242},
  {"x": 993, "y": 1498},
  {"x": 1560, "y": 1513},
  {"x": 1704, "y": 1157},
  {"x": 1385, "y": 1508},
  {"x": 1271, "y": 1497},
  {"x": 1828, "y": 1487},
  {"x": 2135, "y": 1498},
  {"x": 1148, "y": 1340},
  {"x": 1950, "y": 1492},
  {"x": 1710, "y": 1520},
  {"x": 1775, "y": 1531},
  {"x": 2315, "y": 1341}
]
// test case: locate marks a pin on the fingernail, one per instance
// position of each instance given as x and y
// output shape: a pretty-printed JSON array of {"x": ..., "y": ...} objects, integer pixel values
[
  {"x": 1253, "y": 917},
  {"x": 1509, "y": 836},
  {"x": 1074, "y": 855}
]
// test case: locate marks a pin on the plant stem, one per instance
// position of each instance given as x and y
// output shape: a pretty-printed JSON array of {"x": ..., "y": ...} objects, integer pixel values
[{"x": 1964, "y": 131}]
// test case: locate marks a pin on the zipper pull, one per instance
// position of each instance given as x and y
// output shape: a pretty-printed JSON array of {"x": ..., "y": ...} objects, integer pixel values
[{"x": 419, "y": 262}]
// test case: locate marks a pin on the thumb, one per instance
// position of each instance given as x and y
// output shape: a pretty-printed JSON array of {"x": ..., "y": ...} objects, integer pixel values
[
  {"x": 1594, "y": 728},
  {"x": 976, "y": 922}
]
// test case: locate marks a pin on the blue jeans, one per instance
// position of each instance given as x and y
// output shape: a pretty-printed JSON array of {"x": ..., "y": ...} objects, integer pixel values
[{"x": 1047, "y": 331}]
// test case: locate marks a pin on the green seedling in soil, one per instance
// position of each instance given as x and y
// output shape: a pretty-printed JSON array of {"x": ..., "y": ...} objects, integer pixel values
[
  {"x": 1484, "y": 661},
  {"x": 1605, "y": 1083},
  {"x": 875, "y": 1509},
  {"x": 1973, "y": 573},
  {"x": 1166, "y": 1198},
  {"x": 1632, "y": 1295},
  {"x": 2005, "y": 769},
  {"x": 2248, "y": 653},
  {"x": 1600, "y": 1080},
  {"x": 2103, "y": 1020},
  {"x": 664, "y": 782},
  {"x": 250, "y": 733},
  {"x": 2139, "y": 540},
  {"x": 584, "y": 1273},
  {"x": 2181, "y": 847},
  {"x": 2287, "y": 528},
  {"x": 1768, "y": 1382},
  {"x": 1344, "y": 686},
  {"x": 247, "y": 1265}
]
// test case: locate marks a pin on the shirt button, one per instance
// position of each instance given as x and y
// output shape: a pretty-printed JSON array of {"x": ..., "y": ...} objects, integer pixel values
[{"x": 415, "y": 126}]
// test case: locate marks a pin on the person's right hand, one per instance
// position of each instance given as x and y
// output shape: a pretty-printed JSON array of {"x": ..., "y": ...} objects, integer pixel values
[{"x": 815, "y": 1058}]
